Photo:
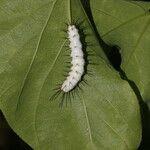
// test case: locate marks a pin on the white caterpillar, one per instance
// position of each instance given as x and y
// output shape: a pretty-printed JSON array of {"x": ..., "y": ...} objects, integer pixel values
[{"x": 78, "y": 62}]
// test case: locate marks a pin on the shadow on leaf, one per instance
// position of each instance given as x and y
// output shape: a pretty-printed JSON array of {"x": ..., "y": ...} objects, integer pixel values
[{"x": 113, "y": 54}]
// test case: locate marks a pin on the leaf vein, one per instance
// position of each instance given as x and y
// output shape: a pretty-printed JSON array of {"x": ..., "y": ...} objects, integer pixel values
[
  {"x": 103, "y": 12},
  {"x": 137, "y": 43},
  {"x": 87, "y": 118},
  {"x": 30, "y": 66},
  {"x": 124, "y": 23}
]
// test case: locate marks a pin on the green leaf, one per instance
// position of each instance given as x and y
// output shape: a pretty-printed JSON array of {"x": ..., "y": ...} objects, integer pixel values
[
  {"x": 105, "y": 115},
  {"x": 129, "y": 28}
]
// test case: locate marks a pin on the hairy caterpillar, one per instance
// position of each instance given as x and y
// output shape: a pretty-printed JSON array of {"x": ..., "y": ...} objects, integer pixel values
[
  {"x": 78, "y": 62},
  {"x": 77, "y": 47}
]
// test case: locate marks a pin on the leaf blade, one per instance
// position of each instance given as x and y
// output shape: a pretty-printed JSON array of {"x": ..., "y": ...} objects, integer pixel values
[{"x": 92, "y": 122}]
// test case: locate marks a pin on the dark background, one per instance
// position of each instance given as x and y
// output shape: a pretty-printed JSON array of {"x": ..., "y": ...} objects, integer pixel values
[{"x": 8, "y": 139}]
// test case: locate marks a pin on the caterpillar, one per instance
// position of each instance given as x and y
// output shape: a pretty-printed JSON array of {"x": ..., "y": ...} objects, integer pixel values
[
  {"x": 78, "y": 62},
  {"x": 77, "y": 47}
]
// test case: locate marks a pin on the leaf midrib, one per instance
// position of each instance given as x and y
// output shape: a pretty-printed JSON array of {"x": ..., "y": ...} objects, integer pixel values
[{"x": 85, "y": 108}]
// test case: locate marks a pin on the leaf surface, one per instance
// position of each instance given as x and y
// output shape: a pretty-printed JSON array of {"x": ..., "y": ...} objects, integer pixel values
[
  {"x": 103, "y": 115},
  {"x": 127, "y": 24}
]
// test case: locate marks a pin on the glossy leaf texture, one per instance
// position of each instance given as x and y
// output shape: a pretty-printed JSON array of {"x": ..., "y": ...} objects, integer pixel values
[
  {"x": 127, "y": 24},
  {"x": 104, "y": 113}
]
